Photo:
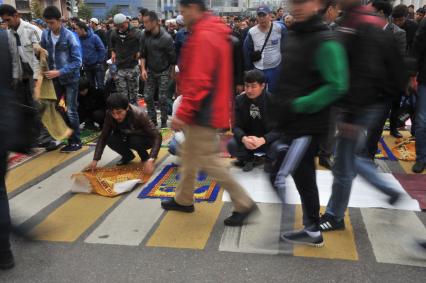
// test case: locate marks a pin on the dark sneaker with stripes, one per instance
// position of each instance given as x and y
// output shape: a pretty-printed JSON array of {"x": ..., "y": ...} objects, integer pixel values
[
  {"x": 303, "y": 238},
  {"x": 329, "y": 223}
]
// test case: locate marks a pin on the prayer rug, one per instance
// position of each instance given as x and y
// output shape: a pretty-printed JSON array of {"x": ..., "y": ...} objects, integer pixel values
[
  {"x": 415, "y": 185},
  {"x": 384, "y": 152},
  {"x": 405, "y": 149},
  {"x": 88, "y": 136},
  {"x": 164, "y": 185},
  {"x": 167, "y": 135},
  {"x": 17, "y": 159},
  {"x": 109, "y": 181}
]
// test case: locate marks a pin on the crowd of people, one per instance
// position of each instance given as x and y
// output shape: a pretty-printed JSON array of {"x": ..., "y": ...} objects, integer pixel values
[{"x": 319, "y": 80}]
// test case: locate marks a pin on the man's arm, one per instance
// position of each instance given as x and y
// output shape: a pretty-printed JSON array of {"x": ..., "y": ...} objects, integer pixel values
[
  {"x": 238, "y": 131},
  {"x": 100, "y": 48},
  {"x": 332, "y": 64},
  {"x": 16, "y": 64},
  {"x": 248, "y": 48},
  {"x": 102, "y": 141}
]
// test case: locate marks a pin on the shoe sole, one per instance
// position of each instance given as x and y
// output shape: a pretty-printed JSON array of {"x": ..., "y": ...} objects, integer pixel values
[
  {"x": 252, "y": 218},
  {"x": 179, "y": 210},
  {"x": 7, "y": 266},
  {"x": 316, "y": 245}
]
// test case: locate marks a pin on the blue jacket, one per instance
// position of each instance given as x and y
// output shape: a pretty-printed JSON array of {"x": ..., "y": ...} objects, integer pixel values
[
  {"x": 93, "y": 49},
  {"x": 180, "y": 39},
  {"x": 65, "y": 56}
]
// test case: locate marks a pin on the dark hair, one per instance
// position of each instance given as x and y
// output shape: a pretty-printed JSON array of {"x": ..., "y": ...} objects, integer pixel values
[
  {"x": 117, "y": 101},
  {"x": 6, "y": 9},
  {"x": 279, "y": 9},
  {"x": 411, "y": 6},
  {"x": 329, "y": 3},
  {"x": 84, "y": 84},
  {"x": 75, "y": 19},
  {"x": 82, "y": 25},
  {"x": 254, "y": 76},
  {"x": 152, "y": 16},
  {"x": 200, "y": 3},
  {"x": 382, "y": 5},
  {"x": 400, "y": 11},
  {"x": 421, "y": 11},
  {"x": 135, "y": 19},
  {"x": 143, "y": 11},
  {"x": 52, "y": 13}
]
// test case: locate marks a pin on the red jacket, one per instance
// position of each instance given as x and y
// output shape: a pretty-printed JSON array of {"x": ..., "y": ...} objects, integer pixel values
[{"x": 205, "y": 75}]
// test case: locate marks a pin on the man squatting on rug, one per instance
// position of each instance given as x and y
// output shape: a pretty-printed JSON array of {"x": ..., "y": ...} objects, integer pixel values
[{"x": 127, "y": 127}]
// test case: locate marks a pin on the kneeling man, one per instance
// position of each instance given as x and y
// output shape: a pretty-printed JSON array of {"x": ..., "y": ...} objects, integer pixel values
[
  {"x": 251, "y": 132},
  {"x": 127, "y": 127}
]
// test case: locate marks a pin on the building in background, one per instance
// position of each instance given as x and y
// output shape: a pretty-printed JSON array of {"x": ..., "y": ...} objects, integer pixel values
[{"x": 23, "y": 7}]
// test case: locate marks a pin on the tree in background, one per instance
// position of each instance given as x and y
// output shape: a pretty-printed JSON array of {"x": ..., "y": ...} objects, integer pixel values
[
  {"x": 36, "y": 9},
  {"x": 113, "y": 11},
  {"x": 84, "y": 11}
]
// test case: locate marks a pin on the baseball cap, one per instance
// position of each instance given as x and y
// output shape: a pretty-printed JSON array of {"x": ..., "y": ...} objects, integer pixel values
[
  {"x": 119, "y": 19},
  {"x": 263, "y": 10},
  {"x": 95, "y": 21},
  {"x": 179, "y": 20}
]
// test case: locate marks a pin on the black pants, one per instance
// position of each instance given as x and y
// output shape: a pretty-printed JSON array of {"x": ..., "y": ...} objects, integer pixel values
[
  {"x": 304, "y": 177},
  {"x": 375, "y": 132},
  {"x": 395, "y": 106},
  {"x": 4, "y": 207},
  {"x": 123, "y": 145},
  {"x": 238, "y": 150},
  {"x": 97, "y": 116}
]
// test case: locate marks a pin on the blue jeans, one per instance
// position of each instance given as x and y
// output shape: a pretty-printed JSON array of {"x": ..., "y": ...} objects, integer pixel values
[
  {"x": 420, "y": 124},
  {"x": 4, "y": 207},
  {"x": 71, "y": 99},
  {"x": 353, "y": 130},
  {"x": 272, "y": 76}
]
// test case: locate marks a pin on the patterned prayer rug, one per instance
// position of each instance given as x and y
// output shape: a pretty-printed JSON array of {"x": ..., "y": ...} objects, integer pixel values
[
  {"x": 384, "y": 151},
  {"x": 405, "y": 149},
  {"x": 17, "y": 159},
  {"x": 167, "y": 135},
  {"x": 164, "y": 185}
]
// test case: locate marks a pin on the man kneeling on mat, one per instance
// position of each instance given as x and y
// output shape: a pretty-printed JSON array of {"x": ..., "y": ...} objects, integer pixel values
[
  {"x": 251, "y": 132},
  {"x": 127, "y": 127}
]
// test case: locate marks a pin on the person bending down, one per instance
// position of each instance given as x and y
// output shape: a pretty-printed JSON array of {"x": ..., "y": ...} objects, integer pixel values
[
  {"x": 127, "y": 127},
  {"x": 251, "y": 132},
  {"x": 91, "y": 105}
]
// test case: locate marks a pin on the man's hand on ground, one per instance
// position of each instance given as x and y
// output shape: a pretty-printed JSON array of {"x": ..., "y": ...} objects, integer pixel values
[
  {"x": 149, "y": 166},
  {"x": 92, "y": 166}
]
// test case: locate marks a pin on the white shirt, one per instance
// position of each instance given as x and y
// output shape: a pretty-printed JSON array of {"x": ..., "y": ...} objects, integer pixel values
[{"x": 29, "y": 35}]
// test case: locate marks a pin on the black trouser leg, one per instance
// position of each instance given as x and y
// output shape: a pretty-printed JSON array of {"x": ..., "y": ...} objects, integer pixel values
[
  {"x": 116, "y": 143},
  {"x": 375, "y": 133},
  {"x": 396, "y": 105},
  {"x": 4, "y": 207},
  {"x": 306, "y": 184},
  {"x": 140, "y": 144},
  {"x": 238, "y": 150}
]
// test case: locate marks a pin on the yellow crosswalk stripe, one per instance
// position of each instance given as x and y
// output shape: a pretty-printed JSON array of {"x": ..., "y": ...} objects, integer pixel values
[
  {"x": 37, "y": 167},
  {"x": 338, "y": 244},
  {"x": 187, "y": 230}
]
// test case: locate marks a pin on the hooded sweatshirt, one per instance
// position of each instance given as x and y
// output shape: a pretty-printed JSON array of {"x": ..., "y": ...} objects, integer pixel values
[{"x": 93, "y": 49}]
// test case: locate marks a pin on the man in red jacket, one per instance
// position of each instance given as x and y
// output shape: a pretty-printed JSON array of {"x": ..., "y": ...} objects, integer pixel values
[{"x": 205, "y": 82}]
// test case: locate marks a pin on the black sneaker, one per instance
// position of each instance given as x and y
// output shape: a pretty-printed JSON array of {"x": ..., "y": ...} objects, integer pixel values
[
  {"x": 394, "y": 198},
  {"x": 325, "y": 162},
  {"x": 422, "y": 244},
  {"x": 239, "y": 163},
  {"x": 248, "y": 166},
  {"x": 6, "y": 260},
  {"x": 52, "y": 145},
  {"x": 302, "y": 237},
  {"x": 163, "y": 125},
  {"x": 418, "y": 167},
  {"x": 71, "y": 148},
  {"x": 329, "y": 223},
  {"x": 238, "y": 218},
  {"x": 171, "y": 204}
]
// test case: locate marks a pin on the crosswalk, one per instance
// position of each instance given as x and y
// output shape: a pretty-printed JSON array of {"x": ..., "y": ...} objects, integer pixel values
[{"x": 49, "y": 212}]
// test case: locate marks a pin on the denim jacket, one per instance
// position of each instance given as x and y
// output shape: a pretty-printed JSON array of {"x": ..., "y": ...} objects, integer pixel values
[{"x": 67, "y": 55}]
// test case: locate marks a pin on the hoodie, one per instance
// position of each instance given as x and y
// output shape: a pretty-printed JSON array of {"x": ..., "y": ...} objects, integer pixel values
[
  {"x": 93, "y": 49},
  {"x": 205, "y": 77}
]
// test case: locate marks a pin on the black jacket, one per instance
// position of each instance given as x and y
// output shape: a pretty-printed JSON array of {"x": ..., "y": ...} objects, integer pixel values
[
  {"x": 410, "y": 28},
  {"x": 126, "y": 49},
  {"x": 242, "y": 117},
  {"x": 419, "y": 51},
  {"x": 238, "y": 60},
  {"x": 158, "y": 51},
  {"x": 103, "y": 36}
]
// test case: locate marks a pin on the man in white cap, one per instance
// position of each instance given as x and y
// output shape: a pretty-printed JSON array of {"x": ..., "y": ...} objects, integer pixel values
[
  {"x": 125, "y": 45},
  {"x": 94, "y": 24}
]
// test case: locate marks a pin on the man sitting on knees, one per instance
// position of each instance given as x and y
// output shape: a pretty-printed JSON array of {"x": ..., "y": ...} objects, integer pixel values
[
  {"x": 127, "y": 127},
  {"x": 91, "y": 105},
  {"x": 251, "y": 132}
]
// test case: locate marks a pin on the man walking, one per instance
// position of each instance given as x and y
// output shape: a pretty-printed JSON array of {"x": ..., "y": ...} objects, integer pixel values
[
  {"x": 124, "y": 46},
  {"x": 158, "y": 60},
  {"x": 206, "y": 89},
  {"x": 64, "y": 64}
]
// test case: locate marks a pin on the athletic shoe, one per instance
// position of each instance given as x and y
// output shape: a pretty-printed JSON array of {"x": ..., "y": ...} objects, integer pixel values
[
  {"x": 171, "y": 204},
  {"x": 163, "y": 125},
  {"x": 248, "y": 166},
  {"x": 422, "y": 244},
  {"x": 239, "y": 163},
  {"x": 6, "y": 260},
  {"x": 71, "y": 148},
  {"x": 238, "y": 218},
  {"x": 329, "y": 223},
  {"x": 418, "y": 167},
  {"x": 302, "y": 237},
  {"x": 394, "y": 198},
  {"x": 325, "y": 162}
]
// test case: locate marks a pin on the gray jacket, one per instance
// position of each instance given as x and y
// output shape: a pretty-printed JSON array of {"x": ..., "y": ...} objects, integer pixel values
[
  {"x": 158, "y": 51},
  {"x": 399, "y": 36}
]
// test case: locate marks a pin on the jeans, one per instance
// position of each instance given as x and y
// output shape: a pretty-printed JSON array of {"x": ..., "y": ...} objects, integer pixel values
[
  {"x": 96, "y": 75},
  {"x": 5, "y": 225},
  {"x": 353, "y": 131},
  {"x": 71, "y": 99},
  {"x": 123, "y": 145},
  {"x": 421, "y": 124}
]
